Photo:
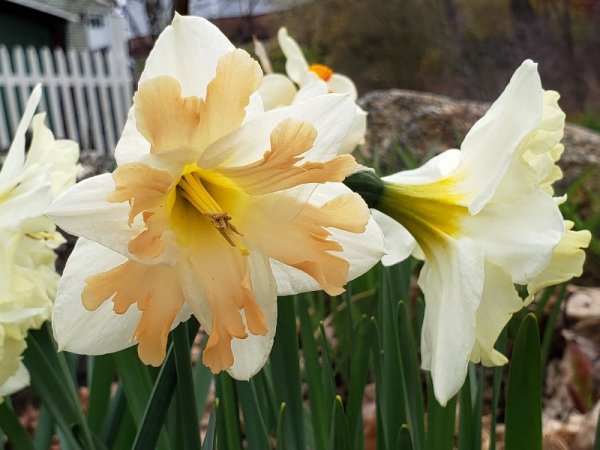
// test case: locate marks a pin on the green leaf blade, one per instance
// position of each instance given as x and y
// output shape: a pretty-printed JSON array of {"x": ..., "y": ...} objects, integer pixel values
[{"x": 524, "y": 390}]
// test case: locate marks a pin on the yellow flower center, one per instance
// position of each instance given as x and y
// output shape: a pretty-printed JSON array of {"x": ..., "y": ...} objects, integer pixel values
[
  {"x": 198, "y": 188},
  {"x": 323, "y": 72},
  {"x": 430, "y": 212}
]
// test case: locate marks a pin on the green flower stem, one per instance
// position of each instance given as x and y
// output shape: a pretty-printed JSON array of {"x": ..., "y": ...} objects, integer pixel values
[
  {"x": 390, "y": 399},
  {"x": 52, "y": 381},
  {"x": 339, "y": 435},
  {"x": 255, "y": 427},
  {"x": 185, "y": 388},
  {"x": 160, "y": 398},
  {"x": 209, "y": 439},
  {"x": 101, "y": 373},
  {"x": 356, "y": 383},
  {"x": 203, "y": 378},
  {"x": 319, "y": 404},
  {"x": 411, "y": 379},
  {"x": 285, "y": 369},
  {"x": 229, "y": 435},
  {"x": 115, "y": 417},
  {"x": 44, "y": 429},
  {"x": 10, "y": 424},
  {"x": 368, "y": 185},
  {"x": 440, "y": 421},
  {"x": 523, "y": 414},
  {"x": 497, "y": 381},
  {"x": 280, "y": 435}
]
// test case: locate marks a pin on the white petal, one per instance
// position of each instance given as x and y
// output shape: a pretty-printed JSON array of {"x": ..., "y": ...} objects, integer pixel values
[
  {"x": 499, "y": 302},
  {"x": 331, "y": 115},
  {"x": 341, "y": 84},
  {"x": 452, "y": 282},
  {"x": 132, "y": 146},
  {"x": 27, "y": 200},
  {"x": 90, "y": 332},
  {"x": 489, "y": 146},
  {"x": 261, "y": 53},
  {"x": 399, "y": 243},
  {"x": 440, "y": 166},
  {"x": 83, "y": 210},
  {"x": 361, "y": 250},
  {"x": 291, "y": 281},
  {"x": 518, "y": 236},
  {"x": 356, "y": 135},
  {"x": 276, "y": 91},
  {"x": 311, "y": 89},
  {"x": 15, "y": 383},
  {"x": 296, "y": 65},
  {"x": 13, "y": 164},
  {"x": 251, "y": 354},
  {"x": 187, "y": 50},
  {"x": 41, "y": 143}
]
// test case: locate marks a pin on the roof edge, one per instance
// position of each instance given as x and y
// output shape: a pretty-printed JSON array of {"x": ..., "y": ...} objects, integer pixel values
[{"x": 32, "y": 4}]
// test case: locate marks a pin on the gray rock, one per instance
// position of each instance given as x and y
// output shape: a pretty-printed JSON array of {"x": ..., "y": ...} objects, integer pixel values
[{"x": 425, "y": 124}]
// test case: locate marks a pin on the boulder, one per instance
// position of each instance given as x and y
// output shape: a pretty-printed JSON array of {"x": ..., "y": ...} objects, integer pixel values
[{"x": 423, "y": 125}]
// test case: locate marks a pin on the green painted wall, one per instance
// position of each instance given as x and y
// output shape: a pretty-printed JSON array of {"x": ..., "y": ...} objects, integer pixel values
[{"x": 22, "y": 26}]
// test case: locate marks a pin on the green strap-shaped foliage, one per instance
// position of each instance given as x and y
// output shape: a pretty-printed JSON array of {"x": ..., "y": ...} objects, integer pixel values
[{"x": 524, "y": 390}]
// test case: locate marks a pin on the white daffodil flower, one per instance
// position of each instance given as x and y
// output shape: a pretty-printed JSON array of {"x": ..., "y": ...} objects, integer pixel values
[
  {"x": 304, "y": 81},
  {"x": 301, "y": 73},
  {"x": 28, "y": 279},
  {"x": 215, "y": 208},
  {"x": 484, "y": 219}
]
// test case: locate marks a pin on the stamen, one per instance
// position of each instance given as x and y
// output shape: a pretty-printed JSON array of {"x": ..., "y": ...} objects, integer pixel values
[
  {"x": 195, "y": 192},
  {"x": 40, "y": 235},
  {"x": 192, "y": 189}
]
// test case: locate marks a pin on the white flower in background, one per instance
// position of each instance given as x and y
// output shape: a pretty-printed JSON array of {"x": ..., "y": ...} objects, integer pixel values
[
  {"x": 215, "y": 208},
  {"x": 304, "y": 81},
  {"x": 484, "y": 219},
  {"x": 28, "y": 279}
]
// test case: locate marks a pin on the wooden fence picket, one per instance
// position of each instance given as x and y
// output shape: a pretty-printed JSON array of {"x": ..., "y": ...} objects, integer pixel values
[{"x": 86, "y": 94}]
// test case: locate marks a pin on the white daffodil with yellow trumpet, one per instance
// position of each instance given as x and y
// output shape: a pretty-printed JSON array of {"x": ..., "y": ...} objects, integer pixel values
[{"x": 483, "y": 218}]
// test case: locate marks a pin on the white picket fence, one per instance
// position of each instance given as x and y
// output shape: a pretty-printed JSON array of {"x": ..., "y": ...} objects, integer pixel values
[{"x": 86, "y": 94}]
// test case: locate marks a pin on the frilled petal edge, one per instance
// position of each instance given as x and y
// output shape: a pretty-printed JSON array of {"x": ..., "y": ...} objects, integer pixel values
[
  {"x": 331, "y": 115},
  {"x": 84, "y": 211},
  {"x": 361, "y": 250},
  {"x": 90, "y": 332}
]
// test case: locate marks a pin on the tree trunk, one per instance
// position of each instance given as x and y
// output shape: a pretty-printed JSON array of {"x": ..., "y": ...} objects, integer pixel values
[{"x": 181, "y": 7}]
